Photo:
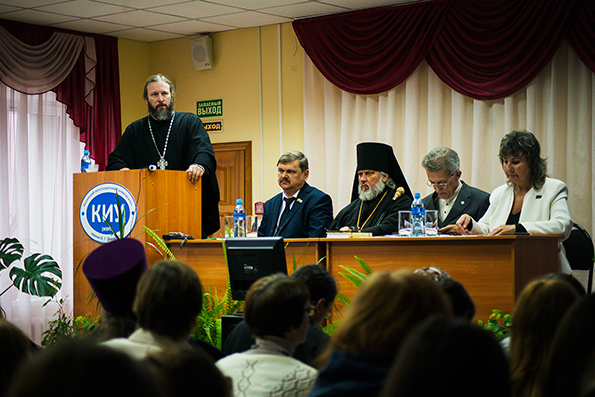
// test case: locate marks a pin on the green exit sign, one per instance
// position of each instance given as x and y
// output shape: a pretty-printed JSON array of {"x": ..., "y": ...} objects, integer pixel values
[{"x": 210, "y": 108}]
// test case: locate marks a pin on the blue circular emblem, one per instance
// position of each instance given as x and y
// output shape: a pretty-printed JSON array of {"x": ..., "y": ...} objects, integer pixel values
[{"x": 101, "y": 209}]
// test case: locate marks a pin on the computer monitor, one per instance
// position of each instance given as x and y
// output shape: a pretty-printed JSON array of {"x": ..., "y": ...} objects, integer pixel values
[{"x": 251, "y": 258}]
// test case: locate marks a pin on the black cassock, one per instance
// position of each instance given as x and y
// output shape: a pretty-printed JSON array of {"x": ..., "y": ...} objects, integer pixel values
[
  {"x": 379, "y": 216},
  {"x": 188, "y": 143}
]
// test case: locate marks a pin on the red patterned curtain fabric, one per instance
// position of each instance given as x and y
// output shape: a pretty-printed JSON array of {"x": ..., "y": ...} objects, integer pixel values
[
  {"x": 484, "y": 50},
  {"x": 100, "y": 124}
]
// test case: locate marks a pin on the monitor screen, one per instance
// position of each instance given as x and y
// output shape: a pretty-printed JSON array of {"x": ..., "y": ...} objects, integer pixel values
[{"x": 251, "y": 258}]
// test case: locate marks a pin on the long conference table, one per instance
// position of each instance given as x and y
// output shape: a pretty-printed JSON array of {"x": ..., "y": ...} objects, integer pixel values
[{"x": 494, "y": 270}]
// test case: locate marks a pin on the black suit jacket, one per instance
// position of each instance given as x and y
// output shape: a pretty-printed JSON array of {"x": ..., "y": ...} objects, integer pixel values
[
  {"x": 470, "y": 201},
  {"x": 310, "y": 215}
]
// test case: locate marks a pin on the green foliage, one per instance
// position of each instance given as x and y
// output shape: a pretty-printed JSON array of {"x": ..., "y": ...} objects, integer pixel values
[
  {"x": 31, "y": 279},
  {"x": 163, "y": 248},
  {"x": 208, "y": 325},
  {"x": 498, "y": 324},
  {"x": 121, "y": 220},
  {"x": 330, "y": 328},
  {"x": 11, "y": 250},
  {"x": 35, "y": 277},
  {"x": 65, "y": 326},
  {"x": 355, "y": 277}
]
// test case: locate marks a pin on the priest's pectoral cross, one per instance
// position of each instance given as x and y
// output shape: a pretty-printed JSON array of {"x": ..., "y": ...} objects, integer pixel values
[{"x": 162, "y": 163}]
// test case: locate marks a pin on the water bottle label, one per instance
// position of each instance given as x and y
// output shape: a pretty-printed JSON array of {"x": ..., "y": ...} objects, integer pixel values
[
  {"x": 239, "y": 216},
  {"x": 84, "y": 165},
  {"x": 417, "y": 211}
]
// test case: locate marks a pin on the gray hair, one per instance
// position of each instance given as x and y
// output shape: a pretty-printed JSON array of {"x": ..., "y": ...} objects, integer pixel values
[
  {"x": 160, "y": 77},
  {"x": 441, "y": 158},
  {"x": 389, "y": 182},
  {"x": 293, "y": 155}
]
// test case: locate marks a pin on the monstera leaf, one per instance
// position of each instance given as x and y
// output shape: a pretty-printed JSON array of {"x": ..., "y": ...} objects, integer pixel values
[
  {"x": 31, "y": 280},
  {"x": 10, "y": 250}
]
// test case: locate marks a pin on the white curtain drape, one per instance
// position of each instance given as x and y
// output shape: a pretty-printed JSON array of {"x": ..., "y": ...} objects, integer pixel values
[
  {"x": 39, "y": 152},
  {"x": 558, "y": 106}
]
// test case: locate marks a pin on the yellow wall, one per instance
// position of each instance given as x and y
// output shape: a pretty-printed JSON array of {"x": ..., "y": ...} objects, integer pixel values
[{"x": 235, "y": 79}]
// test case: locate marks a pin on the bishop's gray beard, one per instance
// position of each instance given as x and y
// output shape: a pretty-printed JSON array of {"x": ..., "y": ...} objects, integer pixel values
[
  {"x": 372, "y": 193},
  {"x": 161, "y": 114}
]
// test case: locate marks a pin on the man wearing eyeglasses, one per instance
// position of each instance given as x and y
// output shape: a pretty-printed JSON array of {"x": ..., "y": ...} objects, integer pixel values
[{"x": 452, "y": 197}]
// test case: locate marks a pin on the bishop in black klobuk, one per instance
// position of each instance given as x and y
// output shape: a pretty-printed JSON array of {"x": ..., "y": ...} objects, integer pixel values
[{"x": 380, "y": 191}]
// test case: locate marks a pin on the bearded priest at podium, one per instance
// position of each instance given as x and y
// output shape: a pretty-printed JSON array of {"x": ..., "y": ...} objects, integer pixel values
[{"x": 170, "y": 140}]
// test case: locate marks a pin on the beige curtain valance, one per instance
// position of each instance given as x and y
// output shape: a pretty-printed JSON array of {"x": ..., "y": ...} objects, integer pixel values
[{"x": 35, "y": 69}]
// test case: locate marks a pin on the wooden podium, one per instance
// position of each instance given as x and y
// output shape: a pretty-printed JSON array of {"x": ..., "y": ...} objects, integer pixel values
[{"x": 166, "y": 202}]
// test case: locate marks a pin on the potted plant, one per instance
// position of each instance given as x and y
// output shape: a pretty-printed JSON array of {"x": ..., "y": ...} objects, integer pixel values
[{"x": 40, "y": 274}]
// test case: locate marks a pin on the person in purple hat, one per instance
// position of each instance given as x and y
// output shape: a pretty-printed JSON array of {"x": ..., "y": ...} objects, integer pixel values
[
  {"x": 380, "y": 191},
  {"x": 113, "y": 271}
]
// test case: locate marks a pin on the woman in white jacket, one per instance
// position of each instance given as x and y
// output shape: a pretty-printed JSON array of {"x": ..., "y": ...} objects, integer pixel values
[{"x": 529, "y": 202}]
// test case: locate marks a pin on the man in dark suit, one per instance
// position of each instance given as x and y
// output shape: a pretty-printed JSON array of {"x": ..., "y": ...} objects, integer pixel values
[
  {"x": 452, "y": 197},
  {"x": 300, "y": 211}
]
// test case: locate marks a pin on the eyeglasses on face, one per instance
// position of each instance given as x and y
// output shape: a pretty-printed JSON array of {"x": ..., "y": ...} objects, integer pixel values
[
  {"x": 440, "y": 185},
  {"x": 310, "y": 310}
]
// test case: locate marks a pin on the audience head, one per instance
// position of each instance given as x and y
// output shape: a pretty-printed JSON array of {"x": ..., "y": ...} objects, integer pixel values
[
  {"x": 572, "y": 351},
  {"x": 538, "y": 311},
  {"x": 113, "y": 270},
  {"x": 322, "y": 288},
  {"x": 278, "y": 305},
  {"x": 188, "y": 371},
  {"x": 168, "y": 299},
  {"x": 580, "y": 289},
  {"x": 523, "y": 144},
  {"x": 15, "y": 347},
  {"x": 433, "y": 273},
  {"x": 91, "y": 369},
  {"x": 462, "y": 304},
  {"x": 463, "y": 359},
  {"x": 384, "y": 309}
]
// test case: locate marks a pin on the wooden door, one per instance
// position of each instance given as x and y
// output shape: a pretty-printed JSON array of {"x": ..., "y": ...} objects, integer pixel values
[{"x": 234, "y": 175}]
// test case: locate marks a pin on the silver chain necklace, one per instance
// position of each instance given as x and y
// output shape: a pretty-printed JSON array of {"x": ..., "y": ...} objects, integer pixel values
[{"x": 162, "y": 163}]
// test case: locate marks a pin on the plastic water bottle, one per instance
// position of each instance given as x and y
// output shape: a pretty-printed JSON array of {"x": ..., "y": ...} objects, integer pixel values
[
  {"x": 85, "y": 161},
  {"x": 239, "y": 220},
  {"x": 417, "y": 217}
]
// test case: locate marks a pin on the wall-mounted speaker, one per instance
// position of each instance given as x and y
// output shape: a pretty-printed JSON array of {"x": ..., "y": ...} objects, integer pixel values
[{"x": 201, "y": 50}]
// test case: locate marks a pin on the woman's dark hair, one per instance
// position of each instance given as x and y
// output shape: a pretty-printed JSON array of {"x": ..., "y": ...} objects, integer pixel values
[
  {"x": 319, "y": 281},
  {"x": 448, "y": 356},
  {"x": 274, "y": 304},
  {"x": 524, "y": 144},
  {"x": 93, "y": 369},
  {"x": 572, "y": 351}
]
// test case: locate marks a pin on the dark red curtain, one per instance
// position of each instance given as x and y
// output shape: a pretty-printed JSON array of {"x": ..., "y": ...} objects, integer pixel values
[
  {"x": 100, "y": 125},
  {"x": 482, "y": 49}
]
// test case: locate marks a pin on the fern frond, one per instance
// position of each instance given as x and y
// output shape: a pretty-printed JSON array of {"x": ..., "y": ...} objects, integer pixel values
[
  {"x": 364, "y": 265},
  {"x": 354, "y": 273},
  {"x": 342, "y": 299},
  {"x": 160, "y": 243}
]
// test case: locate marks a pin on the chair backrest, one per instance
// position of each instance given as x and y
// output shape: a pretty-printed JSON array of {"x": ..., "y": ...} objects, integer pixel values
[{"x": 580, "y": 251}]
